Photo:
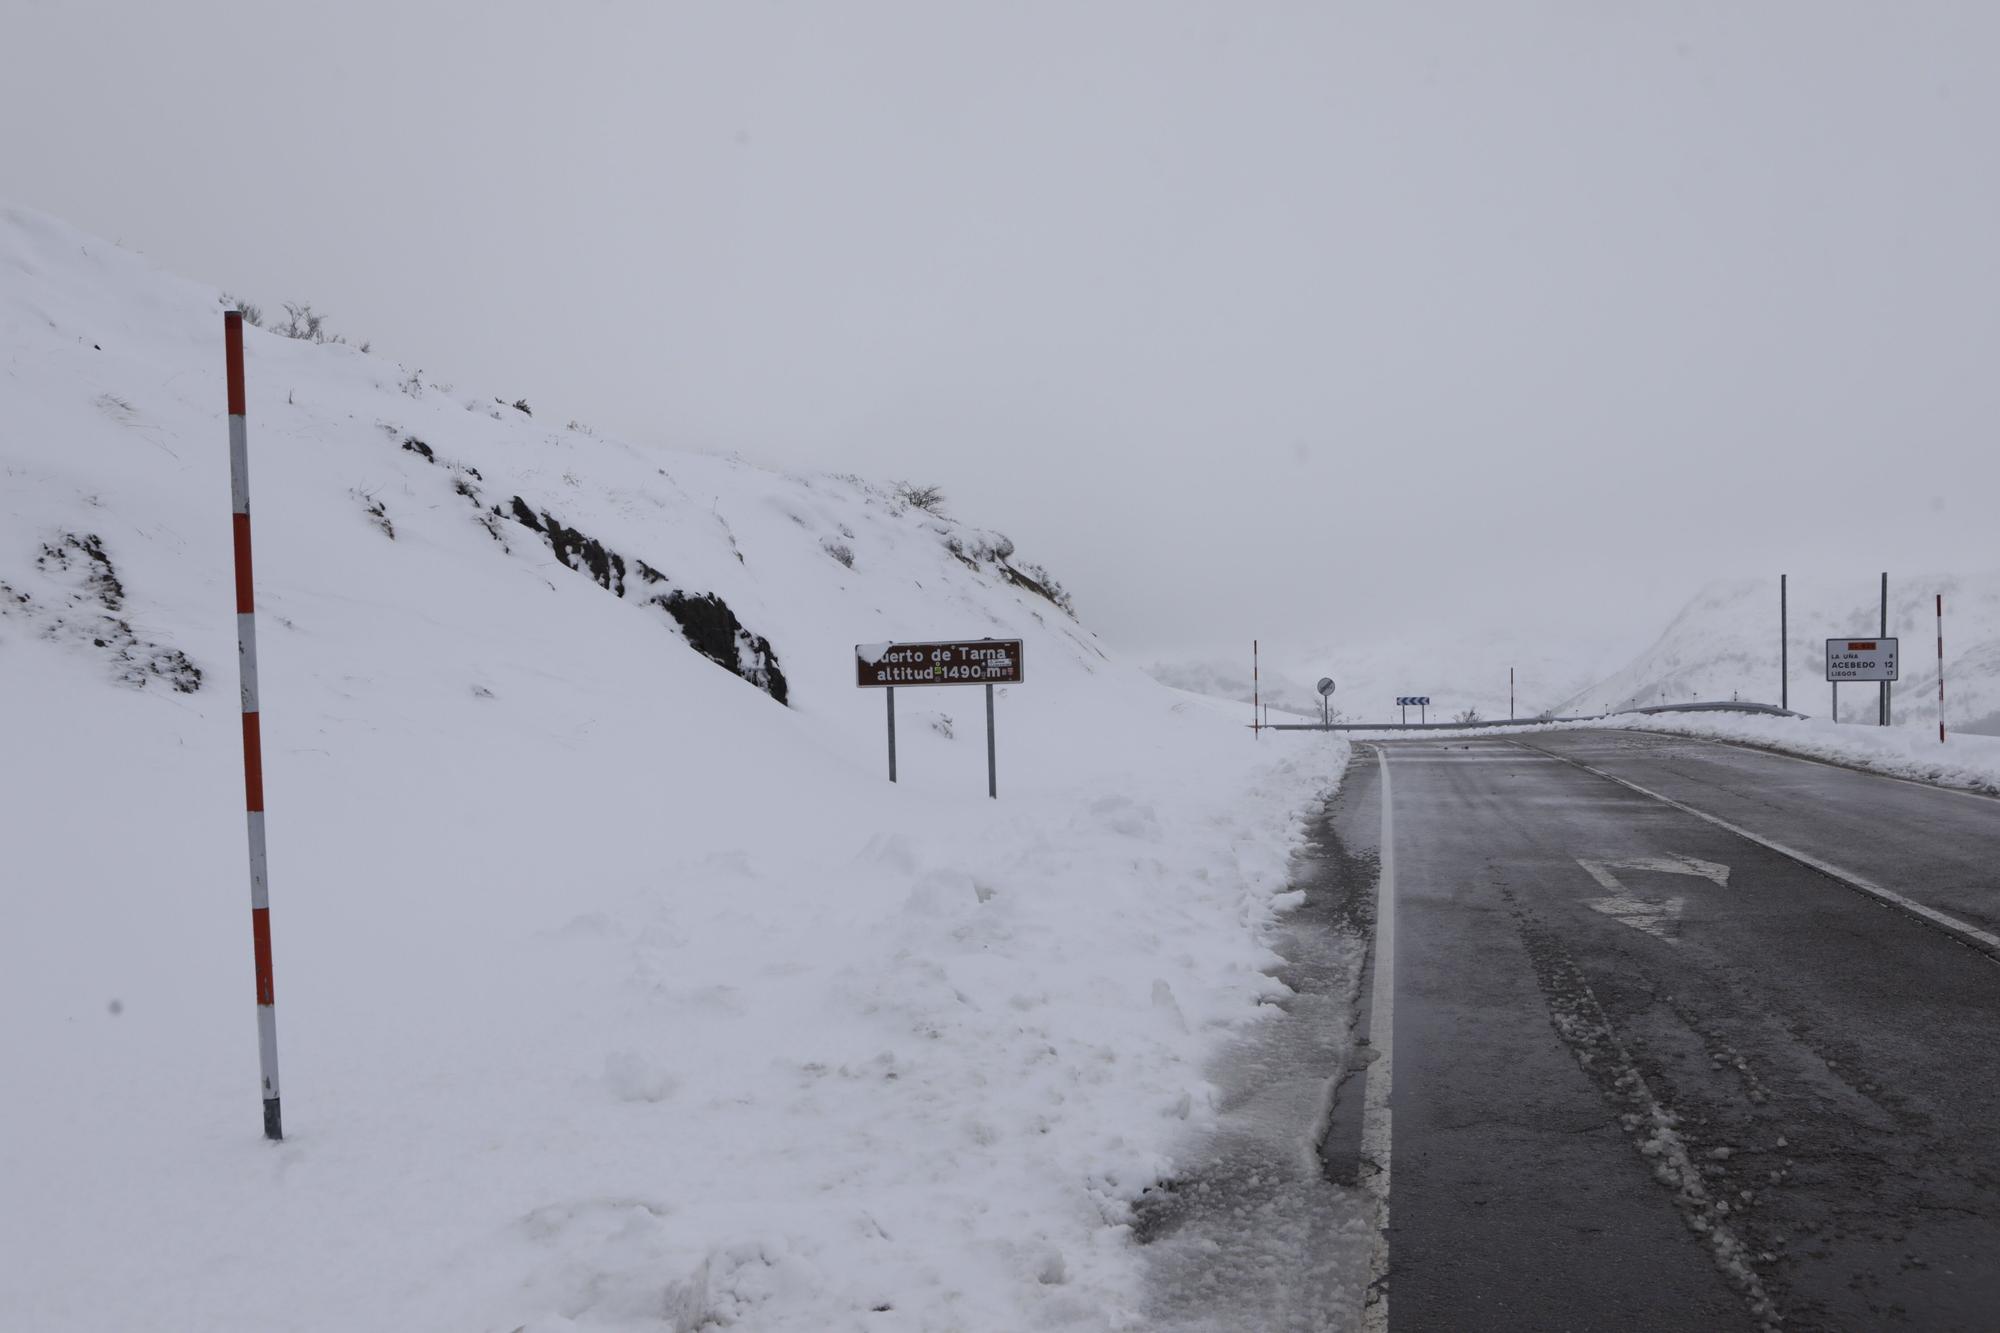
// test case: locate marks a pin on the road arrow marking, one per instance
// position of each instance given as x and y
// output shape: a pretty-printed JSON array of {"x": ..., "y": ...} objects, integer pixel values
[
  {"x": 1963, "y": 931},
  {"x": 1658, "y": 919}
]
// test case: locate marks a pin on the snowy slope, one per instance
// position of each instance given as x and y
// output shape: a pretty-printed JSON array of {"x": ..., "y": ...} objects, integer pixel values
[
  {"x": 1724, "y": 643},
  {"x": 612, "y": 991}
]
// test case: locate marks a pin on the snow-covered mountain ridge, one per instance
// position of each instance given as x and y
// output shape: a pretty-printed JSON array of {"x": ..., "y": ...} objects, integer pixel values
[
  {"x": 1725, "y": 644},
  {"x": 616, "y": 987}
]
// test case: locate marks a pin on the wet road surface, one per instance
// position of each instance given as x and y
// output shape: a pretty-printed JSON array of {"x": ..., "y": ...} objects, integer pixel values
[
  {"x": 1643, "y": 1067},
  {"x": 1652, "y": 1073}
]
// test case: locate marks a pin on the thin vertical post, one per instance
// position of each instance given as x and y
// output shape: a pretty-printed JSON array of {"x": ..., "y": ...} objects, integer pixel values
[
  {"x": 889, "y": 693},
  {"x": 1510, "y": 694},
  {"x": 1940, "y": 623},
  {"x": 253, "y": 747},
  {"x": 1256, "y": 689},
  {"x": 1784, "y": 648},
  {"x": 1836, "y": 702},
  {"x": 992, "y": 768},
  {"x": 1882, "y": 718}
]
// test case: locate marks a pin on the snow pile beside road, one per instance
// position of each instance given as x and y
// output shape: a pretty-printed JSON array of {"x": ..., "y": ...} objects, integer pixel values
[
  {"x": 616, "y": 988},
  {"x": 1963, "y": 761}
]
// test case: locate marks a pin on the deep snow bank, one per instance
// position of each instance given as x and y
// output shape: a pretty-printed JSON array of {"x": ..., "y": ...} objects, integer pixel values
[
  {"x": 1960, "y": 761},
  {"x": 612, "y": 991}
]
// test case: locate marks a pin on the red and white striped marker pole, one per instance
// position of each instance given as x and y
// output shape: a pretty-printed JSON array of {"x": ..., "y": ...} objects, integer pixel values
[
  {"x": 253, "y": 749},
  {"x": 1940, "y": 610}
]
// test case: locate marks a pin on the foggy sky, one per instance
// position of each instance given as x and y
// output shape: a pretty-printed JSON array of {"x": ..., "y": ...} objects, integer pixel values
[{"x": 1244, "y": 318}]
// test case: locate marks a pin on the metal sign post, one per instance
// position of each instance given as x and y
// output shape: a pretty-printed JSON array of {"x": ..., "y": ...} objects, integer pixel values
[
  {"x": 1883, "y": 719},
  {"x": 1861, "y": 659},
  {"x": 1256, "y": 691},
  {"x": 1420, "y": 702},
  {"x": 992, "y": 768},
  {"x": 1325, "y": 688},
  {"x": 987, "y": 662},
  {"x": 890, "y": 695},
  {"x": 1940, "y": 619},
  {"x": 1784, "y": 650}
]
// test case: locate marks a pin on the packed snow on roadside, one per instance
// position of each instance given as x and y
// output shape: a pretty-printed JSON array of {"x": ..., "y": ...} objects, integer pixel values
[
  {"x": 1959, "y": 761},
  {"x": 613, "y": 992}
]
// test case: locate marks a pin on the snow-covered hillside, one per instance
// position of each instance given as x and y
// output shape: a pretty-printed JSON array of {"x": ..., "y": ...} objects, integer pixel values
[
  {"x": 1724, "y": 644},
  {"x": 616, "y": 988}
]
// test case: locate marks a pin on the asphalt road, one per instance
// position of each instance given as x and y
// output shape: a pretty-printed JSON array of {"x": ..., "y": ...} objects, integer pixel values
[{"x": 1647, "y": 1071}]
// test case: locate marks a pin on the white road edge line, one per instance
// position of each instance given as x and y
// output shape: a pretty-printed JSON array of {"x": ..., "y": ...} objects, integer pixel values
[
  {"x": 1964, "y": 932},
  {"x": 1375, "y": 1116}
]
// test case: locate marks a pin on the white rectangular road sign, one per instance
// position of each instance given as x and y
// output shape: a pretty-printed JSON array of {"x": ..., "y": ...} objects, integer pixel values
[{"x": 1861, "y": 659}]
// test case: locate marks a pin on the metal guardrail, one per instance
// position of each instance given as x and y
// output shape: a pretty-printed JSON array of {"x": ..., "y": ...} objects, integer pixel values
[
  {"x": 1726, "y": 706},
  {"x": 1422, "y": 726}
]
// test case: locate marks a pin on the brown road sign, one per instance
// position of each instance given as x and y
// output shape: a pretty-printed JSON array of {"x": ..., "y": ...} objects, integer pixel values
[{"x": 970, "y": 662}]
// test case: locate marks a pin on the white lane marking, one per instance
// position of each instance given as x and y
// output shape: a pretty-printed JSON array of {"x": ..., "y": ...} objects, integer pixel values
[
  {"x": 1622, "y": 905},
  {"x": 1657, "y": 919},
  {"x": 1375, "y": 1113},
  {"x": 1964, "y": 932}
]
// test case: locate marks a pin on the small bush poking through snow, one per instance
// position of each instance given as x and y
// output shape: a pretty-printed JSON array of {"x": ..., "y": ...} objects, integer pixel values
[
  {"x": 377, "y": 511},
  {"x": 1042, "y": 583},
  {"x": 980, "y": 546},
  {"x": 305, "y": 324},
  {"x": 252, "y": 315},
  {"x": 930, "y": 499},
  {"x": 840, "y": 551}
]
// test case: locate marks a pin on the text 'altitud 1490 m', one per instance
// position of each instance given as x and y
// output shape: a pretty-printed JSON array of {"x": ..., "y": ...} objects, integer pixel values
[{"x": 970, "y": 662}]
